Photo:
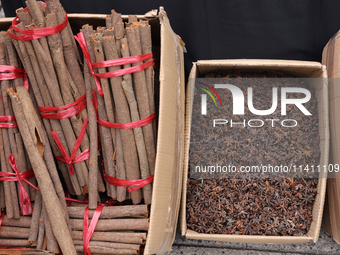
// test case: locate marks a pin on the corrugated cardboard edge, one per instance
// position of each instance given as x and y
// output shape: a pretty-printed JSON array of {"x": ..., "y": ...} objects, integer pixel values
[
  {"x": 169, "y": 159},
  {"x": 332, "y": 61},
  {"x": 309, "y": 69}
]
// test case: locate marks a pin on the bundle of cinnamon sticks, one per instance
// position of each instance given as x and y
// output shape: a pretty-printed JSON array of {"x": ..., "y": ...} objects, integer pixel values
[
  {"x": 127, "y": 98},
  {"x": 10, "y": 138},
  {"x": 58, "y": 131},
  {"x": 53, "y": 66}
]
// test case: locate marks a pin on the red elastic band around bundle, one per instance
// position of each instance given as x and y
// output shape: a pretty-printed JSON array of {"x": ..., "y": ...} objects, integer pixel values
[
  {"x": 25, "y": 202},
  {"x": 109, "y": 63},
  {"x": 74, "y": 158},
  {"x": 69, "y": 110},
  {"x": 2, "y": 217},
  {"x": 130, "y": 125},
  {"x": 8, "y": 125},
  {"x": 131, "y": 185},
  {"x": 69, "y": 200},
  {"x": 11, "y": 73},
  {"x": 28, "y": 35},
  {"x": 88, "y": 230}
]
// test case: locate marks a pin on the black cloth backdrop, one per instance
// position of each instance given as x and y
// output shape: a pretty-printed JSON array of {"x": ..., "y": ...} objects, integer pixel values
[{"x": 230, "y": 29}]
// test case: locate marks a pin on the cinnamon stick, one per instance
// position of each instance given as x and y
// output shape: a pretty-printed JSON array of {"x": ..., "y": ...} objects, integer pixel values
[
  {"x": 109, "y": 32},
  {"x": 13, "y": 60},
  {"x": 21, "y": 160},
  {"x": 53, "y": 205},
  {"x": 31, "y": 180},
  {"x": 101, "y": 30},
  {"x": 119, "y": 34},
  {"x": 105, "y": 133},
  {"x": 35, "y": 128},
  {"x": 98, "y": 50},
  {"x": 142, "y": 95},
  {"x": 130, "y": 95},
  {"x": 23, "y": 221},
  {"x": 123, "y": 116},
  {"x": 114, "y": 224},
  {"x": 14, "y": 232},
  {"x": 110, "y": 212},
  {"x": 55, "y": 5},
  {"x": 38, "y": 15},
  {"x": 108, "y": 21},
  {"x": 41, "y": 231},
  {"x": 105, "y": 250},
  {"x": 70, "y": 55},
  {"x": 146, "y": 44},
  {"x": 52, "y": 244},
  {"x": 23, "y": 16},
  {"x": 132, "y": 18},
  {"x": 110, "y": 245},
  {"x": 120, "y": 166},
  {"x": 34, "y": 227},
  {"x": 13, "y": 242},
  {"x": 2, "y": 193},
  {"x": 117, "y": 237},
  {"x": 93, "y": 161},
  {"x": 116, "y": 17}
]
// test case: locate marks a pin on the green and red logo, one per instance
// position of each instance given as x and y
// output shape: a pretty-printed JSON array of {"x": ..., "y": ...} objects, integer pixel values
[{"x": 204, "y": 97}]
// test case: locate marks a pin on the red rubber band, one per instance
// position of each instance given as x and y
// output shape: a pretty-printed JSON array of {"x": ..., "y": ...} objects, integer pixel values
[
  {"x": 134, "y": 184},
  {"x": 8, "y": 125},
  {"x": 122, "y": 61},
  {"x": 29, "y": 35},
  {"x": 73, "y": 109},
  {"x": 124, "y": 71},
  {"x": 136, "y": 124},
  {"x": 11, "y": 73},
  {"x": 69, "y": 200},
  {"x": 73, "y": 159},
  {"x": 2, "y": 217},
  {"x": 115, "y": 62},
  {"x": 25, "y": 202},
  {"x": 88, "y": 230}
]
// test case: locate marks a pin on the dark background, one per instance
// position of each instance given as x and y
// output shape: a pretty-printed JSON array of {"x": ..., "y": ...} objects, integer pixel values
[{"x": 230, "y": 29}]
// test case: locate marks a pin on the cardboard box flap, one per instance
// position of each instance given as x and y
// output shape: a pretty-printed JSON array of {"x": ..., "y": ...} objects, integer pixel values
[
  {"x": 167, "y": 181},
  {"x": 331, "y": 58},
  {"x": 298, "y": 68}
]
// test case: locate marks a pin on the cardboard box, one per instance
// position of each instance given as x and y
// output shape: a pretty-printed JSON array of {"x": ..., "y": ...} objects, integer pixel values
[
  {"x": 170, "y": 90},
  {"x": 296, "y": 68},
  {"x": 330, "y": 58}
]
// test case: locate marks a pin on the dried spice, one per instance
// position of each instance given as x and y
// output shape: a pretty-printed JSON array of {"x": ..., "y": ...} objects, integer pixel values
[
  {"x": 252, "y": 205},
  {"x": 275, "y": 207}
]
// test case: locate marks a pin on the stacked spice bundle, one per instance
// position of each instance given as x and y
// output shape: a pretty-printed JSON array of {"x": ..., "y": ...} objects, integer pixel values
[
  {"x": 66, "y": 119},
  {"x": 127, "y": 97},
  {"x": 54, "y": 72},
  {"x": 12, "y": 152}
]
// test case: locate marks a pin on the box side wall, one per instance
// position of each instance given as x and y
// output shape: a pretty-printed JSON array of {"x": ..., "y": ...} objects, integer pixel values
[
  {"x": 321, "y": 92},
  {"x": 248, "y": 239},
  {"x": 306, "y": 69},
  {"x": 332, "y": 61},
  {"x": 188, "y": 108},
  {"x": 168, "y": 171}
]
